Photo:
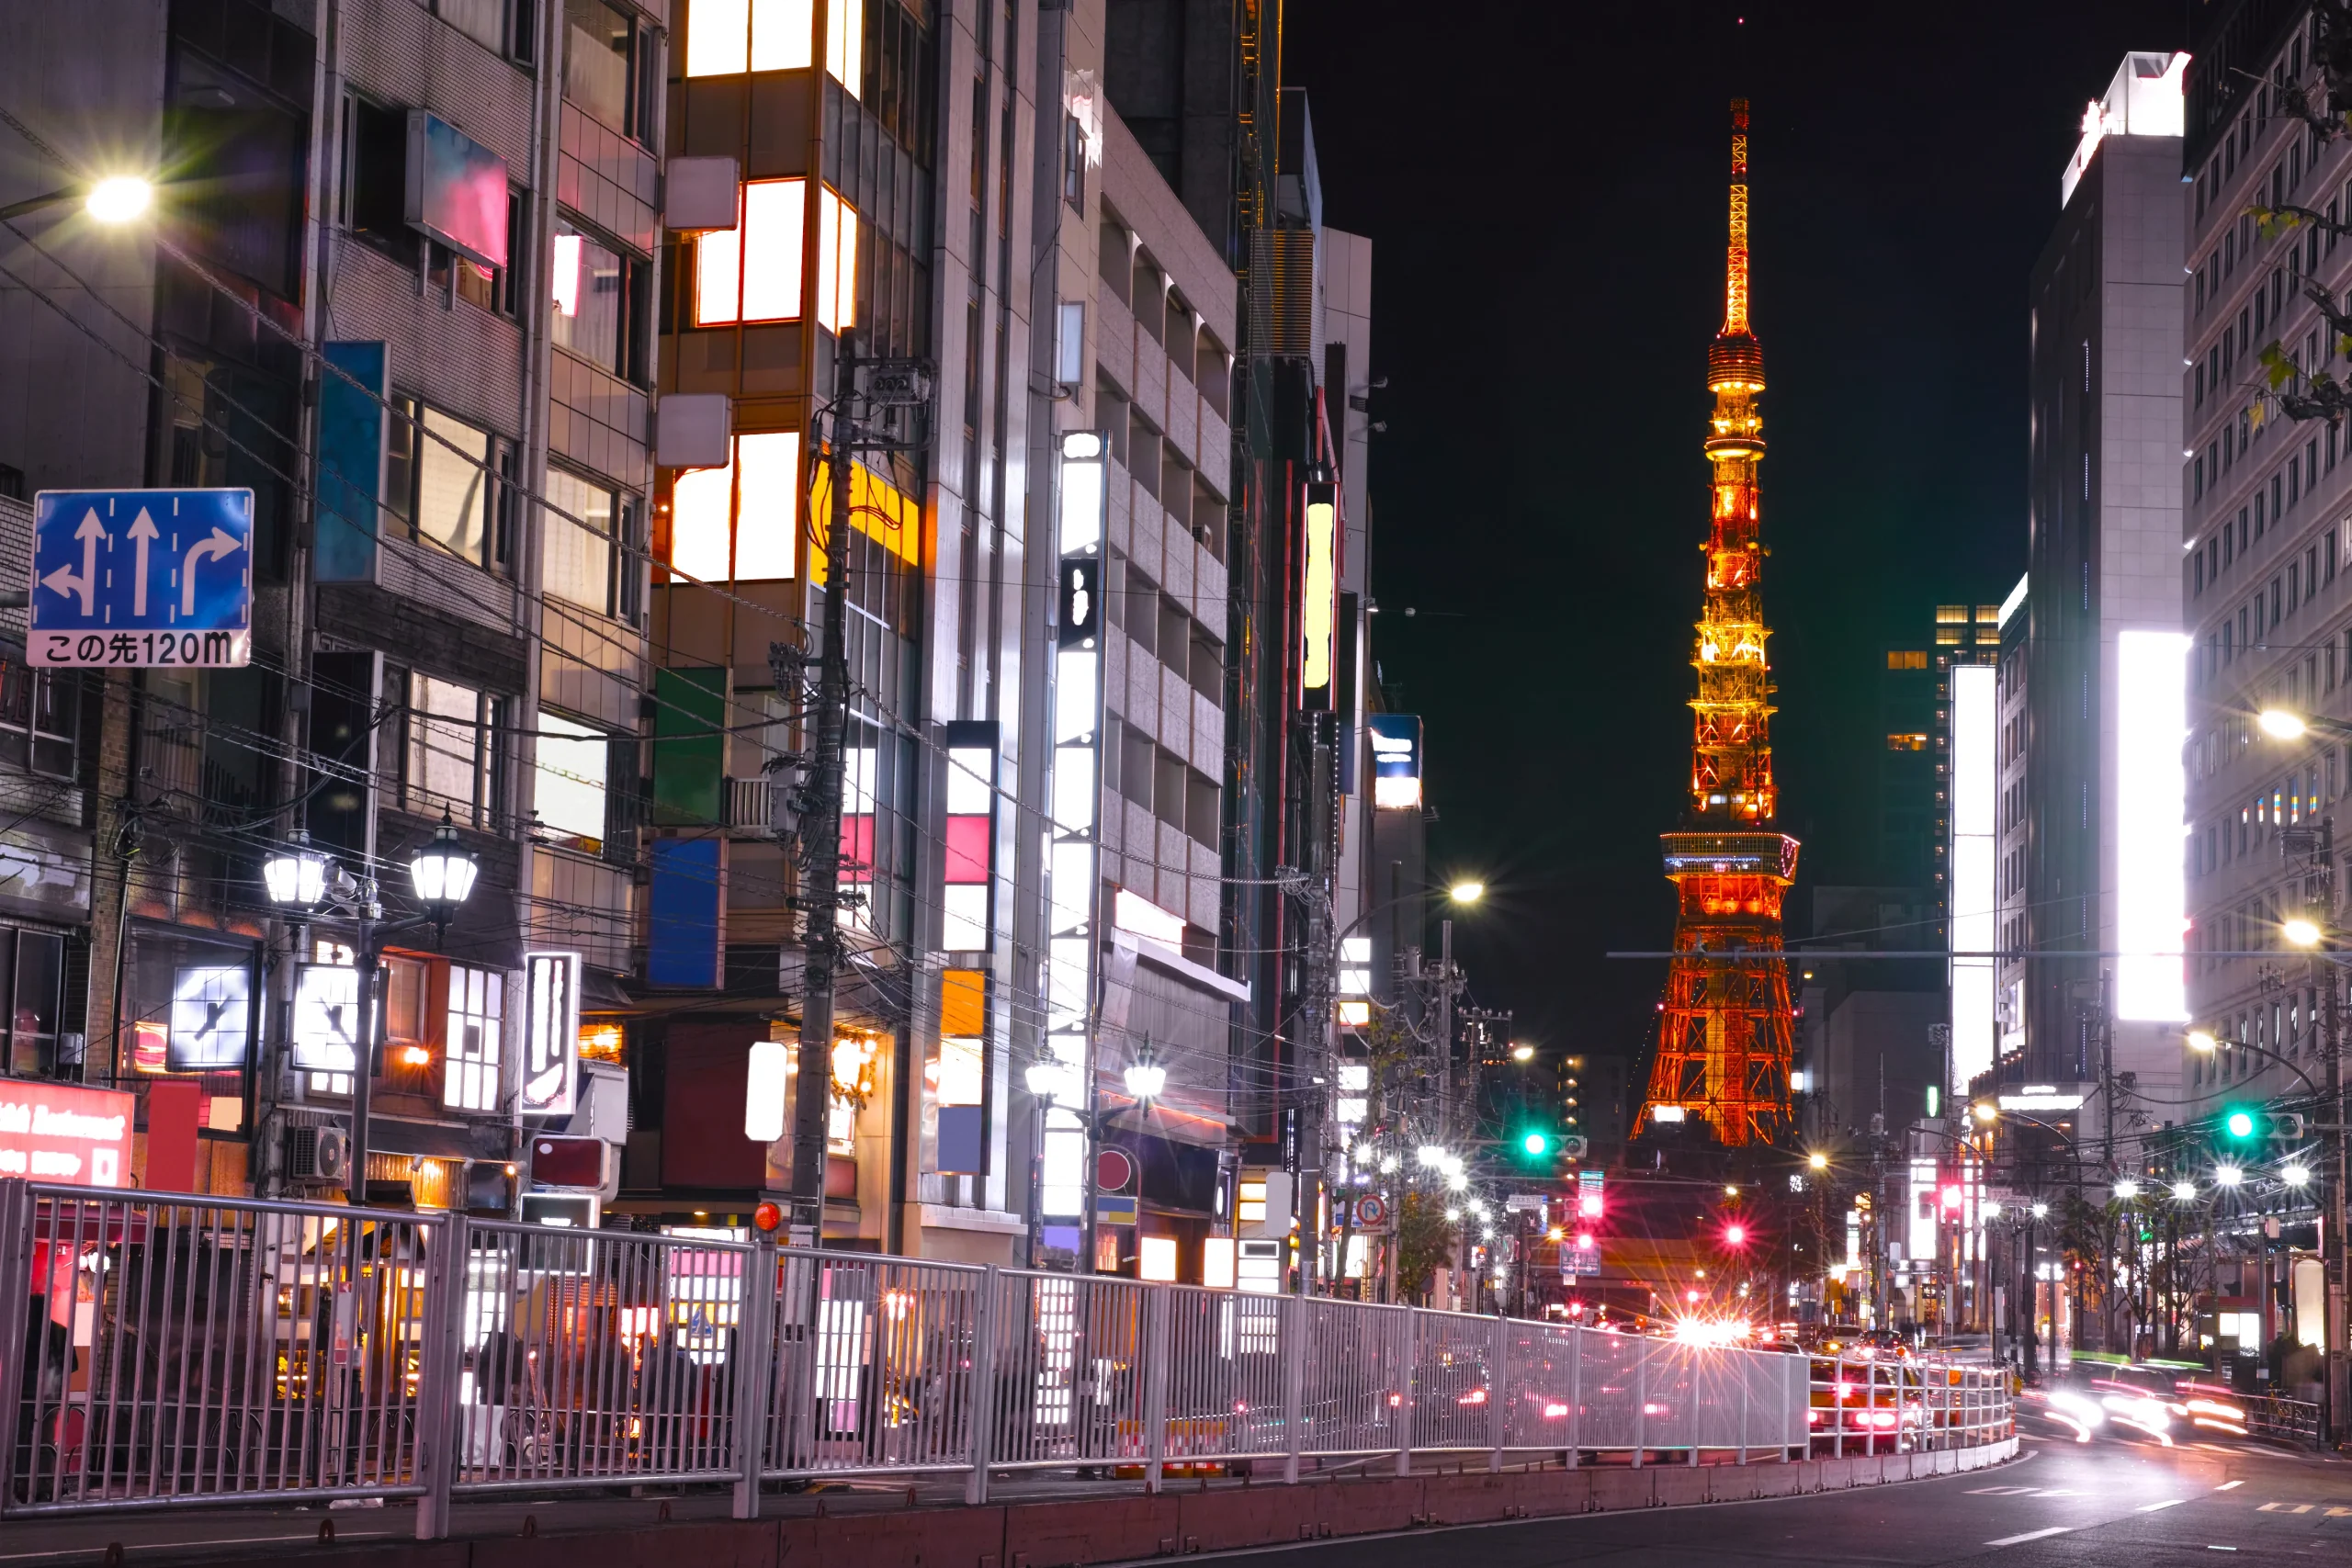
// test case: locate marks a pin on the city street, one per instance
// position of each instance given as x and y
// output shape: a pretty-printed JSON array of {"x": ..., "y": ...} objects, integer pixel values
[{"x": 2061, "y": 1503}]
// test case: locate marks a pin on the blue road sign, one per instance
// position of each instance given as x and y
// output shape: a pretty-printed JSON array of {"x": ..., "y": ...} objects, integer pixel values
[{"x": 140, "y": 578}]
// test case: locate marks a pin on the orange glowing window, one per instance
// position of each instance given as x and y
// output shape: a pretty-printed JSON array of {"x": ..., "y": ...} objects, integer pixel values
[
  {"x": 751, "y": 272},
  {"x": 739, "y": 522},
  {"x": 836, "y": 264},
  {"x": 1907, "y": 659},
  {"x": 1910, "y": 742},
  {"x": 724, "y": 38}
]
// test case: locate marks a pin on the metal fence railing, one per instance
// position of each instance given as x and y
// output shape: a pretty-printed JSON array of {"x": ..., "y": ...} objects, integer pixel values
[{"x": 162, "y": 1350}]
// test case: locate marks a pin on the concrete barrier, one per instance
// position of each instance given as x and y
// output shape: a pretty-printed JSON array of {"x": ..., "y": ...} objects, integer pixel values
[
  {"x": 751, "y": 1543},
  {"x": 1105, "y": 1530},
  {"x": 1677, "y": 1485},
  {"x": 1613, "y": 1489},
  {"x": 912, "y": 1538},
  {"x": 1255, "y": 1515},
  {"x": 1506, "y": 1494}
]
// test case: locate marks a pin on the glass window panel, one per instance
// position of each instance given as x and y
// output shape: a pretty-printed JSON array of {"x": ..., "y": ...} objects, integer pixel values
[
  {"x": 576, "y": 563},
  {"x": 836, "y": 264},
  {"x": 961, "y": 1065},
  {"x": 470, "y": 1080},
  {"x": 845, "y": 44},
  {"x": 598, "y": 45},
  {"x": 783, "y": 34},
  {"x": 484, "y": 21},
  {"x": 452, "y": 494},
  {"x": 768, "y": 517},
  {"x": 752, "y": 273},
  {"x": 589, "y": 284},
  {"x": 718, "y": 35},
  {"x": 570, "y": 797},
  {"x": 444, "y": 748},
  {"x": 702, "y": 502}
]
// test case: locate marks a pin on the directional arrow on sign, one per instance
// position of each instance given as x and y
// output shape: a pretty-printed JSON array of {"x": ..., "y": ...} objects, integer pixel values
[
  {"x": 63, "y": 580},
  {"x": 143, "y": 530},
  {"x": 221, "y": 544}
]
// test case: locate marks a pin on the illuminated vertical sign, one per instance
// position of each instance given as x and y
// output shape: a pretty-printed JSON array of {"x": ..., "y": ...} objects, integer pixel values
[
  {"x": 550, "y": 1033},
  {"x": 1073, "y": 875},
  {"x": 1396, "y": 761},
  {"x": 1318, "y": 594},
  {"x": 1974, "y": 922},
  {"x": 971, "y": 835},
  {"x": 2151, "y": 816}
]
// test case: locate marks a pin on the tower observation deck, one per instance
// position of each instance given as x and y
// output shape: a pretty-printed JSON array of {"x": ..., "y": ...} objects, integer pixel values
[{"x": 1726, "y": 1024}]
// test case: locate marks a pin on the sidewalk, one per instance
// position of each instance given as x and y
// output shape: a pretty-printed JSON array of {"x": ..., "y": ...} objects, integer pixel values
[{"x": 1037, "y": 1524}]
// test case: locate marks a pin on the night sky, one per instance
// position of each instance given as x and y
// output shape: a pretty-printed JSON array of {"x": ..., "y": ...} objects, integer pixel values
[{"x": 1544, "y": 185}]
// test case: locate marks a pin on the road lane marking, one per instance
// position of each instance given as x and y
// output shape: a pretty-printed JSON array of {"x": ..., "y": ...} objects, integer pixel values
[
  {"x": 1998, "y": 1491},
  {"x": 2267, "y": 1508},
  {"x": 2221, "y": 1549},
  {"x": 2300, "y": 1508},
  {"x": 2339, "y": 1513},
  {"x": 2153, "y": 1508},
  {"x": 2030, "y": 1535},
  {"x": 2228, "y": 1486}
]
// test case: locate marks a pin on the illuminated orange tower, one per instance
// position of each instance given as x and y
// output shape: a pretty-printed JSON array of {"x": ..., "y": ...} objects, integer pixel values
[{"x": 1726, "y": 1024}]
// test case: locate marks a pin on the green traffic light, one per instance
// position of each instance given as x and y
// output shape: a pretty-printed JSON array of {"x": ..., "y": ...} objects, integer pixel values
[
  {"x": 1535, "y": 1143},
  {"x": 2239, "y": 1123}
]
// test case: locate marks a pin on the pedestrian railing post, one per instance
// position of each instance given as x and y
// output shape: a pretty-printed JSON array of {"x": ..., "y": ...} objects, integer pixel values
[
  {"x": 984, "y": 1400},
  {"x": 1292, "y": 1324},
  {"x": 1403, "y": 1394},
  {"x": 440, "y": 1372},
  {"x": 1837, "y": 1407},
  {"x": 1159, "y": 1309},
  {"x": 755, "y": 1371},
  {"x": 16, "y": 1305},
  {"x": 1746, "y": 1364},
  {"x": 1641, "y": 1396},
  {"x": 1499, "y": 1394},
  {"x": 1576, "y": 1396}
]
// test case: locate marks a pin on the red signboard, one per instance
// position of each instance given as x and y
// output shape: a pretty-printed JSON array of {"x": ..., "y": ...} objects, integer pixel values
[{"x": 55, "y": 1131}]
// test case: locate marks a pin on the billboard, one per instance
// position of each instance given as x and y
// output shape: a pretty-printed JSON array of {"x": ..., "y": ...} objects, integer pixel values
[
  {"x": 1396, "y": 761},
  {"x": 1975, "y": 926},
  {"x": 2151, "y": 823},
  {"x": 57, "y": 1132}
]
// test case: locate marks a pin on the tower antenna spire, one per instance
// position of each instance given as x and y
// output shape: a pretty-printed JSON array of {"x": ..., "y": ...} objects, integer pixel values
[{"x": 1725, "y": 1030}]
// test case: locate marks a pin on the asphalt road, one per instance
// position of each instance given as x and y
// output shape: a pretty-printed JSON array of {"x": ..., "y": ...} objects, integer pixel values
[
  {"x": 2106, "y": 1504},
  {"x": 2062, "y": 1505}
]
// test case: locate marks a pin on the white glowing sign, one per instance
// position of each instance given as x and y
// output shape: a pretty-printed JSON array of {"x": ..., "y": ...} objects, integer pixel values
[
  {"x": 1974, "y": 925},
  {"x": 2151, "y": 817},
  {"x": 1065, "y": 1054},
  {"x": 550, "y": 1033},
  {"x": 1318, "y": 596}
]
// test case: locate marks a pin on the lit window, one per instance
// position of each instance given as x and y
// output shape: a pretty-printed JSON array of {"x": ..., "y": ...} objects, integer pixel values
[
  {"x": 751, "y": 272},
  {"x": 576, "y": 557},
  {"x": 724, "y": 36},
  {"x": 570, "y": 794},
  {"x": 470, "y": 1071},
  {"x": 845, "y": 44},
  {"x": 453, "y": 486},
  {"x": 719, "y": 529},
  {"x": 447, "y": 762},
  {"x": 836, "y": 264},
  {"x": 1911, "y": 742}
]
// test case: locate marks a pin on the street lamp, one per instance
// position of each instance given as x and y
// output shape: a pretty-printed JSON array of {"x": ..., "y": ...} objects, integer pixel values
[
  {"x": 1818, "y": 1161},
  {"x": 2127, "y": 1188},
  {"x": 2228, "y": 1175},
  {"x": 1466, "y": 892},
  {"x": 2185, "y": 1192},
  {"x": 2300, "y": 930},
  {"x": 304, "y": 882},
  {"x": 2281, "y": 724},
  {"x": 2295, "y": 1175},
  {"x": 116, "y": 199}
]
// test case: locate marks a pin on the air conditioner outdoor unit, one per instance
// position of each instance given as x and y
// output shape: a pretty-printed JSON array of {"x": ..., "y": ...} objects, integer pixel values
[{"x": 318, "y": 1154}]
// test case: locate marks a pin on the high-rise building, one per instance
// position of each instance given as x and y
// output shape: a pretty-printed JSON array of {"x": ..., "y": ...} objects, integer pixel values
[
  {"x": 1725, "y": 1031},
  {"x": 2102, "y": 910},
  {"x": 2268, "y": 547},
  {"x": 2008, "y": 981}
]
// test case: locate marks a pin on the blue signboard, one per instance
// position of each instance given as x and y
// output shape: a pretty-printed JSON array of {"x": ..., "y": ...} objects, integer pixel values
[{"x": 139, "y": 577}]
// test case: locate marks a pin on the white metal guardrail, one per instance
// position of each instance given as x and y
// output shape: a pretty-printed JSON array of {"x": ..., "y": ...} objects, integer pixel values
[{"x": 162, "y": 1350}]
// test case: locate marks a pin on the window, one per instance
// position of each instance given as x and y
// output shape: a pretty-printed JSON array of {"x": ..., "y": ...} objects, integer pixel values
[
  {"x": 39, "y": 710},
  {"x": 470, "y": 1075},
  {"x": 1911, "y": 741},
  {"x": 569, "y": 799},
  {"x": 726, "y": 37},
  {"x": 443, "y": 495},
  {"x": 605, "y": 65},
  {"x": 836, "y": 263},
  {"x": 846, "y": 45},
  {"x": 739, "y": 522},
  {"x": 1074, "y": 162},
  {"x": 576, "y": 561},
  {"x": 752, "y": 273},
  {"x": 595, "y": 292},
  {"x": 449, "y": 751},
  {"x": 1907, "y": 659}
]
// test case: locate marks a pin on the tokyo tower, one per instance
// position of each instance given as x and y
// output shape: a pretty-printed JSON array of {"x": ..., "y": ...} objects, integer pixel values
[{"x": 1726, "y": 1026}]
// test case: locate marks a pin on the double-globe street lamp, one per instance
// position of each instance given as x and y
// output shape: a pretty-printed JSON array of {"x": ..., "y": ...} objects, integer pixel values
[
  {"x": 2315, "y": 931},
  {"x": 305, "y": 883}
]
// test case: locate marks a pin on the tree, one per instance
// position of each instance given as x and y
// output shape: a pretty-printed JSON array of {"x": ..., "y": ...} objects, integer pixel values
[{"x": 1424, "y": 1241}]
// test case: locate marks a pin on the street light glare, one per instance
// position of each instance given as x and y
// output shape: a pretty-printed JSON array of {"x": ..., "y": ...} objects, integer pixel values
[
  {"x": 2184, "y": 1191},
  {"x": 2040, "y": 1211},
  {"x": 1984, "y": 1110},
  {"x": 1466, "y": 892},
  {"x": 1522, "y": 1052},
  {"x": 2295, "y": 1175},
  {"x": 1818, "y": 1161},
  {"x": 2300, "y": 931},
  {"x": 2228, "y": 1175},
  {"x": 119, "y": 199},
  {"x": 2280, "y": 725},
  {"x": 2127, "y": 1190},
  {"x": 2201, "y": 1039}
]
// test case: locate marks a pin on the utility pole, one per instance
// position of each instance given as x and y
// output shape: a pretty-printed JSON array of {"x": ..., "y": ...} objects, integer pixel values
[{"x": 891, "y": 385}]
